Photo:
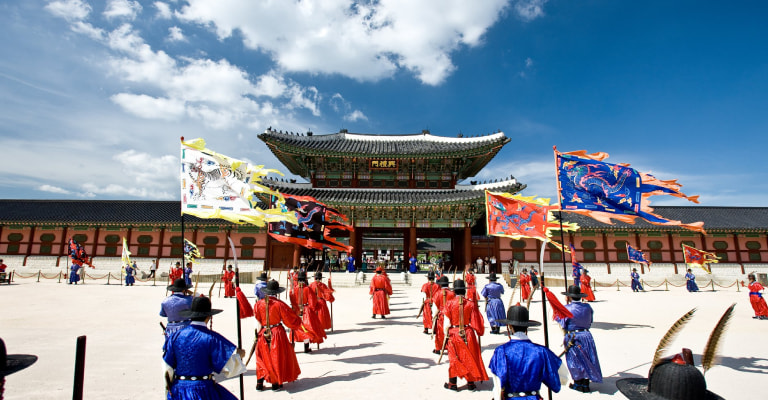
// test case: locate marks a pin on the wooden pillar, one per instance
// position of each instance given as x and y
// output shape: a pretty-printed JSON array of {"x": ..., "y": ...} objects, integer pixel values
[
  {"x": 296, "y": 255},
  {"x": 95, "y": 246},
  {"x": 160, "y": 249},
  {"x": 606, "y": 257},
  {"x": 671, "y": 250},
  {"x": 413, "y": 246},
  {"x": 639, "y": 247},
  {"x": 63, "y": 245},
  {"x": 31, "y": 242},
  {"x": 738, "y": 251},
  {"x": 467, "y": 246}
]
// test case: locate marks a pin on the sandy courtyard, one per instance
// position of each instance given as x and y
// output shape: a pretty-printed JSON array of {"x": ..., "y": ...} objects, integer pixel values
[{"x": 362, "y": 357}]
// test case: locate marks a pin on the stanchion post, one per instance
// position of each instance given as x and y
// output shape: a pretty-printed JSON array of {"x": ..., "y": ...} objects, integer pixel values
[
  {"x": 617, "y": 285},
  {"x": 109, "y": 274},
  {"x": 77, "y": 391},
  {"x": 666, "y": 284},
  {"x": 59, "y": 277},
  {"x": 39, "y": 272},
  {"x": 737, "y": 286},
  {"x": 712, "y": 280}
]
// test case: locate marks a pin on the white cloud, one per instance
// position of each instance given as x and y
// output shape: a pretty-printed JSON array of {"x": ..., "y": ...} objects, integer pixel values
[
  {"x": 163, "y": 10},
  {"x": 143, "y": 176},
  {"x": 529, "y": 10},
  {"x": 356, "y": 115},
  {"x": 528, "y": 62},
  {"x": 70, "y": 10},
  {"x": 122, "y": 9},
  {"x": 150, "y": 107},
  {"x": 53, "y": 189},
  {"x": 175, "y": 34},
  {"x": 363, "y": 41}
]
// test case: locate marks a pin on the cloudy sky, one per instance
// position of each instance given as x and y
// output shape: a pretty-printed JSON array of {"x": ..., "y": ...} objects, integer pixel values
[{"x": 94, "y": 95}]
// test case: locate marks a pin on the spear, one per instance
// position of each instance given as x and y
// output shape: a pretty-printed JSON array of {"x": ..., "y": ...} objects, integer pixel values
[{"x": 237, "y": 315}]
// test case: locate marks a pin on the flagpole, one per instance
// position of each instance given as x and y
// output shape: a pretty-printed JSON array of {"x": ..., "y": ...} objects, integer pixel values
[
  {"x": 544, "y": 304},
  {"x": 237, "y": 314},
  {"x": 181, "y": 205},
  {"x": 560, "y": 215}
]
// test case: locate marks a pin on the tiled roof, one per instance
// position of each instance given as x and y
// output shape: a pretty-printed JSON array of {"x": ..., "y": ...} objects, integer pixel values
[
  {"x": 96, "y": 211},
  {"x": 373, "y": 197},
  {"x": 363, "y": 145},
  {"x": 714, "y": 218}
]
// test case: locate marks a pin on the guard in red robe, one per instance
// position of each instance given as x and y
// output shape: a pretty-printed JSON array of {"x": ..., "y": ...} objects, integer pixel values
[
  {"x": 462, "y": 344},
  {"x": 440, "y": 299},
  {"x": 429, "y": 289},
  {"x": 275, "y": 359},
  {"x": 525, "y": 287},
  {"x": 324, "y": 296},
  {"x": 176, "y": 272},
  {"x": 228, "y": 277},
  {"x": 586, "y": 287},
  {"x": 471, "y": 282},
  {"x": 380, "y": 290},
  {"x": 305, "y": 304},
  {"x": 756, "y": 298}
]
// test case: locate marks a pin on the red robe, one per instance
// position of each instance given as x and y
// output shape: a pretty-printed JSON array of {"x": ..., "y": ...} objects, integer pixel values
[
  {"x": 525, "y": 287},
  {"x": 176, "y": 273},
  {"x": 757, "y": 300},
  {"x": 229, "y": 286},
  {"x": 307, "y": 308},
  {"x": 429, "y": 289},
  {"x": 276, "y": 362},
  {"x": 466, "y": 360},
  {"x": 440, "y": 299},
  {"x": 470, "y": 280},
  {"x": 381, "y": 289},
  {"x": 586, "y": 288},
  {"x": 324, "y": 295}
]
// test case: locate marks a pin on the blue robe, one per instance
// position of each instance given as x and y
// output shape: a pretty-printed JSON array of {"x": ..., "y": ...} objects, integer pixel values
[
  {"x": 351, "y": 264},
  {"x": 129, "y": 278},
  {"x": 636, "y": 286},
  {"x": 412, "y": 265},
  {"x": 74, "y": 277},
  {"x": 577, "y": 274},
  {"x": 581, "y": 357},
  {"x": 258, "y": 290},
  {"x": 188, "y": 276},
  {"x": 690, "y": 282},
  {"x": 171, "y": 308},
  {"x": 522, "y": 366},
  {"x": 197, "y": 351},
  {"x": 494, "y": 308}
]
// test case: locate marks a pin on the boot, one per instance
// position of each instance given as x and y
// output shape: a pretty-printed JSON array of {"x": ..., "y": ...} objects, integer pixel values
[
  {"x": 306, "y": 348},
  {"x": 451, "y": 384},
  {"x": 426, "y": 331},
  {"x": 260, "y": 384}
]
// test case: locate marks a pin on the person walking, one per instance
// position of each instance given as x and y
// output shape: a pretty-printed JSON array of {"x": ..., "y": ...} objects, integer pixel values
[
  {"x": 440, "y": 299},
  {"x": 525, "y": 287},
  {"x": 275, "y": 359},
  {"x": 461, "y": 341},
  {"x": 580, "y": 349},
  {"x": 429, "y": 289},
  {"x": 756, "y": 297},
  {"x": 258, "y": 288},
  {"x": 519, "y": 367},
  {"x": 188, "y": 274},
  {"x": 152, "y": 269},
  {"x": 494, "y": 305},
  {"x": 586, "y": 286},
  {"x": 636, "y": 285},
  {"x": 380, "y": 289},
  {"x": 130, "y": 271},
  {"x": 173, "y": 305},
  {"x": 193, "y": 354},
  {"x": 690, "y": 281},
  {"x": 228, "y": 277},
  {"x": 324, "y": 295},
  {"x": 304, "y": 303},
  {"x": 74, "y": 274}
]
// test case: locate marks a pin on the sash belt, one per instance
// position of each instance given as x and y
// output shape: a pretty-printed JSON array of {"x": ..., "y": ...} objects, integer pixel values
[
  {"x": 194, "y": 378},
  {"x": 522, "y": 394}
]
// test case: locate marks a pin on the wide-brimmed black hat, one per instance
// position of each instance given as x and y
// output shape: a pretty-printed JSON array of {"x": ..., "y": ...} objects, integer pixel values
[
  {"x": 263, "y": 276},
  {"x": 491, "y": 276},
  {"x": 518, "y": 316},
  {"x": 10, "y": 363},
  {"x": 273, "y": 287},
  {"x": 668, "y": 381},
  {"x": 302, "y": 276},
  {"x": 459, "y": 285},
  {"x": 179, "y": 285},
  {"x": 318, "y": 275},
  {"x": 574, "y": 292},
  {"x": 201, "y": 307},
  {"x": 431, "y": 275},
  {"x": 443, "y": 281}
]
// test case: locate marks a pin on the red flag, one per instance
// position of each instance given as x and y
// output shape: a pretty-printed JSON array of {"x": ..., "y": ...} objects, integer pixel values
[
  {"x": 558, "y": 309},
  {"x": 245, "y": 307},
  {"x": 316, "y": 221},
  {"x": 698, "y": 257},
  {"x": 517, "y": 217}
]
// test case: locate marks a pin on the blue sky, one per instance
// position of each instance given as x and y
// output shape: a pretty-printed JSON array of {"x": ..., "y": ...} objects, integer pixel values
[{"x": 94, "y": 95}]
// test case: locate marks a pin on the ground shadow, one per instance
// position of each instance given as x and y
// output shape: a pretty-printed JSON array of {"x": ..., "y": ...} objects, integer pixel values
[
  {"x": 742, "y": 364},
  {"x": 337, "y": 350},
  {"x": 342, "y": 331},
  {"x": 390, "y": 321},
  {"x": 610, "y": 326},
  {"x": 608, "y": 385},
  {"x": 303, "y": 384},
  {"x": 412, "y": 363}
]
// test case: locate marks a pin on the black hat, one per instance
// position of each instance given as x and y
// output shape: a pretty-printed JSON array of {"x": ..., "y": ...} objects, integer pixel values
[
  {"x": 518, "y": 316},
  {"x": 302, "y": 276},
  {"x": 668, "y": 381},
  {"x": 262, "y": 276},
  {"x": 179, "y": 285},
  {"x": 574, "y": 292},
  {"x": 431, "y": 275},
  {"x": 443, "y": 281},
  {"x": 318, "y": 275},
  {"x": 201, "y": 307},
  {"x": 492, "y": 276},
  {"x": 10, "y": 363},
  {"x": 273, "y": 287},
  {"x": 459, "y": 287}
]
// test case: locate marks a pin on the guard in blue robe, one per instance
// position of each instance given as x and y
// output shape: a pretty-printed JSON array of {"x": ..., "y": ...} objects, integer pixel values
[
  {"x": 129, "y": 278},
  {"x": 261, "y": 284},
  {"x": 188, "y": 274},
  {"x": 690, "y": 282},
  {"x": 195, "y": 353},
  {"x": 74, "y": 274},
  {"x": 351, "y": 264},
  {"x": 636, "y": 285},
  {"x": 519, "y": 367},
  {"x": 413, "y": 265},
  {"x": 581, "y": 353},
  {"x": 494, "y": 306},
  {"x": 173, "y": 306}
]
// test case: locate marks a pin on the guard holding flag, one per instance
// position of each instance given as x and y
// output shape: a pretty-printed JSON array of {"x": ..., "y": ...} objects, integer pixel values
[{"x": 580, "y": 350}]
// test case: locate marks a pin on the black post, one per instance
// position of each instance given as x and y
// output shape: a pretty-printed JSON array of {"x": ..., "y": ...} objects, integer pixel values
[
  {"x": 544, "y": 319},
  {"x": 183, "y": 244},
  {"x": 239, "y": 334},
  {"x": 77, "y": 391}
]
